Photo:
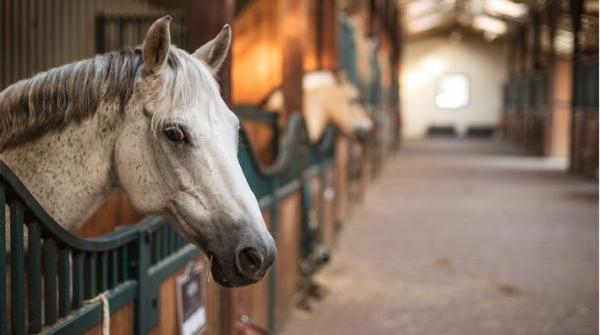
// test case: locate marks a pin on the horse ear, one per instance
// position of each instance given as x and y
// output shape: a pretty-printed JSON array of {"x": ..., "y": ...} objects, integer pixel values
[
  {"x": 156, "y": 44},
  {"x": 215, "y": 52}
]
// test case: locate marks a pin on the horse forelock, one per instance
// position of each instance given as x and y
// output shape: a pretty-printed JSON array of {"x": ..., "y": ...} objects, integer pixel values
[
  {"x": 54, "y": 99},
  {"x": 189, "y": 81}
]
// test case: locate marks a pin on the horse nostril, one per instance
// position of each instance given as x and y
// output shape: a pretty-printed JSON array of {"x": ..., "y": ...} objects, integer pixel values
[{"x": 250, "y": 262}]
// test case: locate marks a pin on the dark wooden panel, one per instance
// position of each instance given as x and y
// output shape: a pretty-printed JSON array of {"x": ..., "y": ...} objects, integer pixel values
[
  {"x": 292, "y": 25},
  {"x": 288, "y": 258},
  {"x": 121, "y": 322}
]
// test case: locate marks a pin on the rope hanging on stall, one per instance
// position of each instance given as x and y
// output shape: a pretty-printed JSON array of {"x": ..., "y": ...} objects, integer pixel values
[{"x": 105, "y": 311}]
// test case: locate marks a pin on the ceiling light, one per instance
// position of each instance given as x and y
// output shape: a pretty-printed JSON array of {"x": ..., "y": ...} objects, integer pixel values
[
  {"x": 506, "y": 8},
  {"x": 422, "y": 7}
]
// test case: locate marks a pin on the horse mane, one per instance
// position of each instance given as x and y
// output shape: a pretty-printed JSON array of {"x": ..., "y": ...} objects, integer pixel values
[{"x": 54, "y": 99}]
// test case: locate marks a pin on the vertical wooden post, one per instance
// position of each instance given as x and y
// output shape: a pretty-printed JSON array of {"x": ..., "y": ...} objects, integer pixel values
[
  {"x": 536, "y": 119},
  {"x": 536, "y": 47},
  {"x": 328, "y": 46},
  {"x": 396, "y": 72},
  {"x": 510, "y": 49},
  {"x": 552, "y": 12},
  {"x": 206, "y": 19},
  {"x": 293, "y": 24},
  {"x": 576, "y": 8}
]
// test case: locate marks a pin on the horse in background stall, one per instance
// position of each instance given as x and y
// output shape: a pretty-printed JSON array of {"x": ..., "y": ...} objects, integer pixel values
[
  {"x": 328, "y": 98},
  {"x": 148, "y": 120}
]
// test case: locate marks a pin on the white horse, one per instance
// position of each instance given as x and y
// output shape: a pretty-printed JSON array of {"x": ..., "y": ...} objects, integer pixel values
[{"x": 151, "y": 121}]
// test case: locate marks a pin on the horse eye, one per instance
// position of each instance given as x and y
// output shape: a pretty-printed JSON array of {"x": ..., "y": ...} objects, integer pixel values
[{"x": 174, "y": 133}]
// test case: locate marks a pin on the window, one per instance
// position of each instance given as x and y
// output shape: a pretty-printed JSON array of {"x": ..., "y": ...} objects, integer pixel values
[{"x": 452, "y": 91}]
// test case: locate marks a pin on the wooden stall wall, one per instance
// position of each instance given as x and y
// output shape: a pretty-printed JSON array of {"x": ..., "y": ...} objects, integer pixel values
[
  {"x": 257, "y": 67},
  {"x": 268, "y": 54},
  {"x": 38, "y": 35},
  {"x": 551, "y": 98},
  {"x": 561, "y": 110},
  {"x": 168, "y": 322},
  {"x": 121, "y": 322},
  {"x": 257, "y": 56},
  {"x": 341, "y": 180},
  {"x": 327, "y": 213},
  {"x": 253, "y": 301}
]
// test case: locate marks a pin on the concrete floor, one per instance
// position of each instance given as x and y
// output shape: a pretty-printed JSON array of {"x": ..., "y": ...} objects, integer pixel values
[{"x": 464, "y": 237}]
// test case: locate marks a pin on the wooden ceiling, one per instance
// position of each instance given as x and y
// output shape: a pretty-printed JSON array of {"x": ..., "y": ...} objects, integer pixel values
[{"x": 496, "y": 18}]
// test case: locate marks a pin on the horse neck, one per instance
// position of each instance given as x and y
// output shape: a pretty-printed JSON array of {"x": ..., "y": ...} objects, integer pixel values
[{"x": 70, "y": 171}]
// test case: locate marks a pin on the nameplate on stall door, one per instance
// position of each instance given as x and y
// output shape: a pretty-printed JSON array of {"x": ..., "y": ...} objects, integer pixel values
[{"x": 191, "y": 302}]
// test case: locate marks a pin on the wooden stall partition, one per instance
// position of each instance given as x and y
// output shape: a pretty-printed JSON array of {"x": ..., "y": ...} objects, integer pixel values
[
  {"x": 321, "y": 48},
  {"x": 328, "y": 201},
  {"x": 360, "y": 167},
  {"x": 288, "y": 258},
  {"x": 367, "y": 163},
  {"x": 589, "y": 166},
  {"x": 323, "y": 201},
  {"x": 311, "y": 54},
  {"x": 168, "y": 321},
  {"x": 253, "y": 300},
  {"x": 121, "y": 322},
  {"x": 342, "y": 190},
  {"x": 561, "y": 109},
  {"x": 316, "y": 186},
  {"x": 386, "y": 105},
  {"x": 257, "y": 64},
  {"x": 263, "y": 137},
  {"x": 293, "y": 25},
  {"x": 115, "y": 211}
]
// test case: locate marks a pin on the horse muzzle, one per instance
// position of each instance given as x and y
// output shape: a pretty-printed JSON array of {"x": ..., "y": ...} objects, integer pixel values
[{"x": 246, "y": 265}]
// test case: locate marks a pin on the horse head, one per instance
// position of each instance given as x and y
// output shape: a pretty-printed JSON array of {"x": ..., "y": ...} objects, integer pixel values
[
  {"x": 177, "y": 156},
  {"x": 351, "y": 116}
]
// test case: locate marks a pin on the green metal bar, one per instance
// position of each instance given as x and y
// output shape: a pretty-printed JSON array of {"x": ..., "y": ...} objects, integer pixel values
[
  {"x": 114, "y": 269},
  {"x": 90, "y": 315},
  {"x": 154, "y": 275},
  {"x": 3, "y": 301},
  {"x": 158, "y": 244},
  {"x": 124, "y": 263},
  {"x": 17, "y": 265},
  {"x": 153, "y": 248},
  {"x": 169, "y": 240},
  {"x": 178, "y": 260},
  {"x": 143, "y": 307},
  {"x": 64, "y": 283},
  {"x": 103, "y": 272},
  {"x": 165, "y": 241},
  {"x": 272, "y": 297},
  {"x": 78, "y": 280},
  {"x": 181, "y": 241},
  {"x": 174, "y": 234},
  {"x": 51, "y": 228},
  {"x": 35, "y": 277},
  {"x": 49, "y": 281},
  {"x": 90, "y": 276}
]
